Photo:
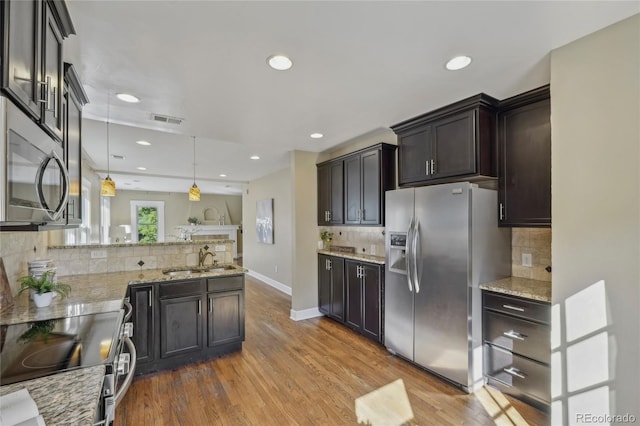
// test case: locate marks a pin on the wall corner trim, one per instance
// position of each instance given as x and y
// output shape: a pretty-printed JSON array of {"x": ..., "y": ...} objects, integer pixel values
[
  {"x": 305, "y": 314},
  {"x": 269, "y": 281}
]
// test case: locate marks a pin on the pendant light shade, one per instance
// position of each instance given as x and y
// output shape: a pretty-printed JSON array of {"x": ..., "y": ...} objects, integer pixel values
[
  {"x": 194, "y": 191},
  {"x": 108, "y": 186}
]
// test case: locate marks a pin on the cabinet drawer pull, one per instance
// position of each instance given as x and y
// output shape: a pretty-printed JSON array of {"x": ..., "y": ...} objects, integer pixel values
[
  {"x": 210, "y": 303},
  {"x": 514, "y": 335},
  {"x": 151, "y": 297},
  {"x": 514, "y": 372},
  {"x": 501, "y": 211},
  {"x": 433, "y": 167},
  {"x": 426, "y": 166},
  {"x": 199, "y": 306},
  {"x": 514, "y": 308}
]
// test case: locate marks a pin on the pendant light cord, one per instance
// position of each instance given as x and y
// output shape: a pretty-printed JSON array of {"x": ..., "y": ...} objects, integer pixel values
[
  {"x": 108, "y": 152},
  {"x": 194, "y": 160}
]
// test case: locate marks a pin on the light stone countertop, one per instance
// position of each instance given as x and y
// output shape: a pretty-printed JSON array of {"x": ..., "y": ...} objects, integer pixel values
[
  {"x": 164, "y": 243},
  {"x": 94, "y": 293},
  {"x": 380, "y": 260},
  {"x": 69, "y": 398},
  {"x": 521, "y": 287}
]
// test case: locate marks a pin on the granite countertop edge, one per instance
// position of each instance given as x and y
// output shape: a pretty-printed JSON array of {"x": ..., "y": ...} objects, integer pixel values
[
  {"x": 521, "y": 287},
  {"x": 68, "y": 398},
  {"x": 355, "y": 256}
]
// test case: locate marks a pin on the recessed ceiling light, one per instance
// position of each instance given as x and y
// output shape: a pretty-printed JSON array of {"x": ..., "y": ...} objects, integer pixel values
[
  {"x": 144, "y": 143},
  {"x": 279, "y": 62},
  {"x": 255, "y": 157},
  {"x": 316, "y": 135},
  {"x": 458, "y": 63},
  {"x": 126, "y": 97},
  {"x": 223, "y": 175},
  {"x": 141, "y": 168}
]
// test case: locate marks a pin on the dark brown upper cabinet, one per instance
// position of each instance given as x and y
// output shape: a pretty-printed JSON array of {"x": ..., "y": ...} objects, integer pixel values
[
  {"x": 453, "y": 143},
  {"x": 330, "y": 193},
  {"x": 366, "y": 175},
  {"x": 524, "y": 134},
  {"x": 32, "y": 69},
  {"x": 73, "y": 101}
]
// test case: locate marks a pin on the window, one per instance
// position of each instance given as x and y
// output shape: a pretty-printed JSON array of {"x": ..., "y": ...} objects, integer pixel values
[{"x": 147, "y": 221}]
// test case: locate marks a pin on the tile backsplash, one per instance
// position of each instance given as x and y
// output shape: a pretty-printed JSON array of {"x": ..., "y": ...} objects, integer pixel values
[
  {"x": 534, "y": 241},
  {"x": 18, "y": 248},
  {"x": 366, "y": 240}
]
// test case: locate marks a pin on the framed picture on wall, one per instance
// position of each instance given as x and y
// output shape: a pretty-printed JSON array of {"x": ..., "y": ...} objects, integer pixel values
[{"x": 264, "y": 221}]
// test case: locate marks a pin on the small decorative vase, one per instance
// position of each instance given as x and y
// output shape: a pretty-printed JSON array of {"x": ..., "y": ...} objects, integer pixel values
[
  {"x": 327, "y": 245},
  {"x": 43, "y": 300}
]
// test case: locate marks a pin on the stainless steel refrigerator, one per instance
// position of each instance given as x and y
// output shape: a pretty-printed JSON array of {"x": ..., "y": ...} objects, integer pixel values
[{"x": 442, "y": 241}]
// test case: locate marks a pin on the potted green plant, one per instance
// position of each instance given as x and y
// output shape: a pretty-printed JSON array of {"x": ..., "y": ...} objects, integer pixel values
[
  {"x": 326, "y": 238},
  {"x": 193, "y": 220},
  {"x": 43, "y": 288}
]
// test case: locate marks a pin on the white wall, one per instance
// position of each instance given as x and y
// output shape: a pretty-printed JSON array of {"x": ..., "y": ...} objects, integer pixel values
[
  {"x": 261, "y": 258},
  {"x": 304, "y": 301},
  {"x": 595, "y": 116}
]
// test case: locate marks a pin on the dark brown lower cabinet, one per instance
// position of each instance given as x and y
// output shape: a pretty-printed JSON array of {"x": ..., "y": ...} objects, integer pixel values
[
  {"x": 225, "y": 318},
  {"x": 180, "y": 325},
  {"x": 143, "y": 317},
  {"x": 331, "y": 286},
  {"x": 173, "y": 319},
  {"x": 364, "y": 288}
]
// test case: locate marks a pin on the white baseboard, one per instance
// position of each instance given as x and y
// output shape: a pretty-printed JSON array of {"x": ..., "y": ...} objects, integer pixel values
[
  {"x": 273, "y": 283},
  {"x": 305, "y": 314}
]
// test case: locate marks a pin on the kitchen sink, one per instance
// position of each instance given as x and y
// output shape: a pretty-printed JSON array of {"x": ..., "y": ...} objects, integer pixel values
[{"x": 198, "y": 269}]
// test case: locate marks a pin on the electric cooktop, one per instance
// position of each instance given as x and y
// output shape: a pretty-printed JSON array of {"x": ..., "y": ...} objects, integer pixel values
[{"x": 36, "y": 349}]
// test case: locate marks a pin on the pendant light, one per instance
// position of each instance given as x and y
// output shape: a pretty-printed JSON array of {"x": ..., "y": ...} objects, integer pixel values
[
  {"x": 108, "y": 186},
  {"x": 194, "y": 191}
]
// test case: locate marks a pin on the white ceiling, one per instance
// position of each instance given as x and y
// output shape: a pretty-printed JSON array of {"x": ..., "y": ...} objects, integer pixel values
[{"x": 359, "y": 67}]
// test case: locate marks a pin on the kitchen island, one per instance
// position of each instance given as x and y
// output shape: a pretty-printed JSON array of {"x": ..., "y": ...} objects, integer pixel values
[{"x": 72, "y": 397}]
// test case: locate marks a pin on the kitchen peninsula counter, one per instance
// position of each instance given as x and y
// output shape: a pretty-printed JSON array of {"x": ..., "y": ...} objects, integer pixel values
[
  {"x": 69, "y": 398},
  {"x": 94, "y": 293},
  {"x": 521, "y": 287}
]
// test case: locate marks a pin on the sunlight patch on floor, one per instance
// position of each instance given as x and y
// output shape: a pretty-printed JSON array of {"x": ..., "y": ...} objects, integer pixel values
[
  {"x": 388, "y": 406},
  {"x": 499, "y": 408}
]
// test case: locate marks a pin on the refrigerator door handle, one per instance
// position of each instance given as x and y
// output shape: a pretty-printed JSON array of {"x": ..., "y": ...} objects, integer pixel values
[
  {"x": 414, "y": 254},
  {"x": 409, "y": 254}
]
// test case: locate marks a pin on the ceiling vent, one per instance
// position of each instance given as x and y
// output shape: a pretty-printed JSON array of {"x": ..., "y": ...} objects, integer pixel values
[
  {"x": 117, "y": 157},
  {"x": 166, "y": 119}
]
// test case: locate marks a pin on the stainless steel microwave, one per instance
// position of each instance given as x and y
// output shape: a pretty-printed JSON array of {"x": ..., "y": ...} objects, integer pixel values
[{"x": 35, "y": 181}]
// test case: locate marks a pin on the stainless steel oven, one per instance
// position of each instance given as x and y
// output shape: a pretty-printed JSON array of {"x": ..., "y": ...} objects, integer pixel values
[
  {"x": 33, "y": 174},
  {"x": 40, "y": 348}
]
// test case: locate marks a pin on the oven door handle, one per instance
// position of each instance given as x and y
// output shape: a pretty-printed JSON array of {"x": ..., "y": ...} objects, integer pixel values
[
  {"x": 132, "y": 369},
  {"x": 129, "y": 311}
]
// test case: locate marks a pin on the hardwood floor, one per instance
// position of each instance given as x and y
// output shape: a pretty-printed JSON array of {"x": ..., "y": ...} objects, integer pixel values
[{"x": 302, "y": 373}]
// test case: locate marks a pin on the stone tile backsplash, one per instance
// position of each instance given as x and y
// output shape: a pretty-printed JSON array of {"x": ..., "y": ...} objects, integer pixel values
[
  {"x": 537, "y": 242},
  {"x": 79, "y": 260},
  {"x": 366, "y": 240},
  {"x": 16, "y": 249}
]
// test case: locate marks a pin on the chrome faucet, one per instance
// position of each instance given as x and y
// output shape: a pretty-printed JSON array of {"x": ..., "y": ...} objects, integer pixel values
[{"x": 202, "y": 256}]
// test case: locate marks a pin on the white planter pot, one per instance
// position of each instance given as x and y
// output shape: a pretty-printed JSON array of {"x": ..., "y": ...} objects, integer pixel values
[{"x": 42, "y": 300}]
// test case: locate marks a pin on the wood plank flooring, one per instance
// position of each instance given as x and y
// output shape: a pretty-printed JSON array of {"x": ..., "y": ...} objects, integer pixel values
[{"x": 302, "y": 373}]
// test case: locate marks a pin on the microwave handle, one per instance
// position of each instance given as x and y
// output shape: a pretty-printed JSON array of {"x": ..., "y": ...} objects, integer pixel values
[{"x": 55, "y": 214}]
